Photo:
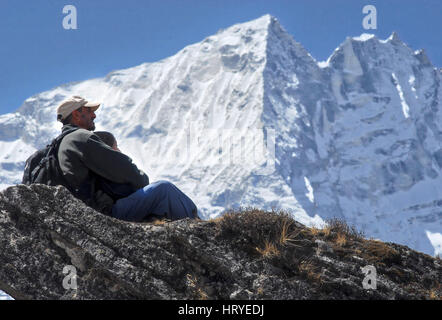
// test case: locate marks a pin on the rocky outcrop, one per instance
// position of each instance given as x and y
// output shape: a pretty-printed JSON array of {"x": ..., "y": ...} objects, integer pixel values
[{"x": 249, "y": 255}]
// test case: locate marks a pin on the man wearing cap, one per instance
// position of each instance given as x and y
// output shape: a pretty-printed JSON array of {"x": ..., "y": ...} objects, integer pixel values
[
  {"x": 73, "y": 107},
  {"x": 84, "y": 158}
]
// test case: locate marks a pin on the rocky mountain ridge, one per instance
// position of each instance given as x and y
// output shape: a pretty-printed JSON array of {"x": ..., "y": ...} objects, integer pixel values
[{"x": 46, "y": 235}]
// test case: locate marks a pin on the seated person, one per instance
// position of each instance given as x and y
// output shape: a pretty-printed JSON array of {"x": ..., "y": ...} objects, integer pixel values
[
  {"x": 82, "y": 156},
  {"x": 115, "y": 190}
]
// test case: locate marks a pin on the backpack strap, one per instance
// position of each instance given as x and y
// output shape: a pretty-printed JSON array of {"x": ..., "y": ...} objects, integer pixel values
[
  {"x": 54, "y": 145},
  {"x": 63, "y": 134},
  {"x": 84, "y": 192}
]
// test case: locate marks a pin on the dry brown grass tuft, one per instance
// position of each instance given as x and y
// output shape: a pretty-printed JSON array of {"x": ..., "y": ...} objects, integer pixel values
[
  {"x": 155, "y": 220},
  {"x": 158, "y": 222},
  {"x": 316, "y": 232},
  {"x": 337, "y": 226},
  {"x": 201, "y": 294},
  {"x": 326, "y": 231},
  {"x": 219, "y": 219},
  {"x": 375, "y": 250},
  {"x": 434, "y": 293},
  {"x": 288, "y": 233},
  {"x": 190, "y": 280},
  {"x": 309, "y": 270},
  {"x": 254, "y": 230},
  {"x": 341, "y": 239},
  {"x": 269, "y": 250},
  {"x": 198, "y": 292}
]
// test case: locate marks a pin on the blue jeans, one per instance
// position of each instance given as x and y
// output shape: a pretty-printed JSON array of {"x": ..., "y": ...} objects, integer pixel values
[{"x": 161, "y": 198}]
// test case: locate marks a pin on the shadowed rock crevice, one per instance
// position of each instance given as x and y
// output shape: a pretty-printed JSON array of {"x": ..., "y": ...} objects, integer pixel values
[{"x": 243, "y": 255}]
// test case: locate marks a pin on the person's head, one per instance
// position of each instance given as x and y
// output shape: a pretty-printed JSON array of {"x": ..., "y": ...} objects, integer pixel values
[
  {"x": 78, "y": 111},
  {"x": 108, "y": 138}
]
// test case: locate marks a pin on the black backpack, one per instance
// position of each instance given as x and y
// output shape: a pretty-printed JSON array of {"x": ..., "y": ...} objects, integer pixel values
[{"x": 43, "y": 166}]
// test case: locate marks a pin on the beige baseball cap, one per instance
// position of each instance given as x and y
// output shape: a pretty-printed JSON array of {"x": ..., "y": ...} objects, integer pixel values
[{"x": 73, "y": 103}]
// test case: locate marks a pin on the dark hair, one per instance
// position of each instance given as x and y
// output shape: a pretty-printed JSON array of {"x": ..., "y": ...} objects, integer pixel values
[
  {"x": 68, "y": 119},
  {"x": 107, "y": 137}
]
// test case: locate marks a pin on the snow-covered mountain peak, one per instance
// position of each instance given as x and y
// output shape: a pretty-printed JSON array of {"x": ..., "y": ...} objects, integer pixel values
[
  {"x": 367, "y": 57},
  {"x": 260, "y": 23},
  {"x": 249, "y": 35},
  {"x": 358, "y": 136},
  {"x": 394, "y": 37},
  {"x": 421, "y": 55}
]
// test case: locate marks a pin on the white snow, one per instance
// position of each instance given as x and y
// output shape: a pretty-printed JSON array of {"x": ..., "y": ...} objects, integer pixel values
[
  {"x": 323, "y": 64},
  {"x": 295, "y": 82},
  {"x": 411, "y": 82},
  {"x": 364, "y": 37},
  {"x": 309, "y": 194},
  {"x": 390, "y": 38},
  {"x": 436, "y": 240},
  {"x": 405, "y": 107}
]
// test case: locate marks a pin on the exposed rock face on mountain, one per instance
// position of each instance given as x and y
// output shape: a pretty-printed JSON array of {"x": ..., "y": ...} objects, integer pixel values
[
  {"x": 358, "y": 137},
  {"x": 251, "y": 255}
]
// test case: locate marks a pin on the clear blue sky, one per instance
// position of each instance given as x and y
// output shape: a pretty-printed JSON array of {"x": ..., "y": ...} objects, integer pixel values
[{"x": 37, "y": 54}]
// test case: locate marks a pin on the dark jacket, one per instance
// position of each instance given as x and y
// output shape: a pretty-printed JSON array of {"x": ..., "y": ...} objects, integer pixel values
[{"x": 83, "y": 157}]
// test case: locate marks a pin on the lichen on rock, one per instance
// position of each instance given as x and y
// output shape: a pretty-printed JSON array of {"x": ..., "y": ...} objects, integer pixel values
[{"x": 248, "y": 254}]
